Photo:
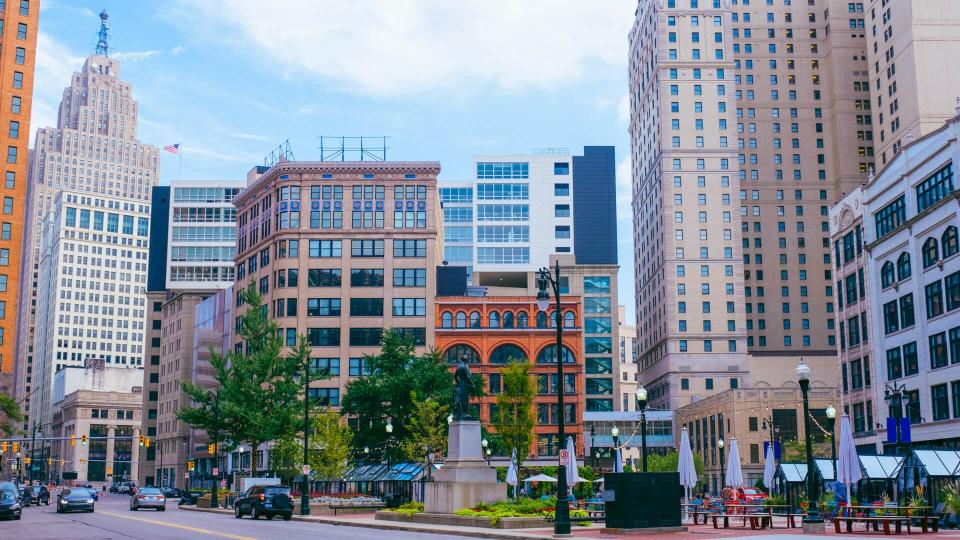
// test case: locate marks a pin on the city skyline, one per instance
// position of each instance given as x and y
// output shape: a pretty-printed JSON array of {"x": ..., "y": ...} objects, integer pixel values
[{"x": 190, "y": 81}]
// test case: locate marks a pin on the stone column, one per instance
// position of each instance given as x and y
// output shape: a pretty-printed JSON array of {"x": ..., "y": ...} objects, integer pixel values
[
  {"x": 135, "y": 456},
  {"x": 108, "y": 466}
]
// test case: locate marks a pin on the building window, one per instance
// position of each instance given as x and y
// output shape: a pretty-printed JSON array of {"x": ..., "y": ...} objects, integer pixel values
[
  {"x": 561, "y": 169},
  {"x": 903, "y": 266},
  {"x": 935, "y": 188},
  {"x": 934, "y": 294},
  {"x": 931, "y": 252},
  {"x": 366, "y": 307},
  {"x": 561, "y": 190},
  {"x": 890, "y": 217},
  {"x": 940, "y": 402},
  {"x": 365, "y": 337},
  {"x": 938, "y": 350}
]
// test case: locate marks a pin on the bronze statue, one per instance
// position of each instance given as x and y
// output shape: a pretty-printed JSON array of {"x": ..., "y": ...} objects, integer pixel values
[{"x": 463, "y": 384}]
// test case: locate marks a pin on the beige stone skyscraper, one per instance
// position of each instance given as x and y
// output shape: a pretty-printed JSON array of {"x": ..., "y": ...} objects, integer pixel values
[
  {"x": 94, "y": 153},
  {"x": 748, "y": 119},
  {"x": 913, "y": 49}
]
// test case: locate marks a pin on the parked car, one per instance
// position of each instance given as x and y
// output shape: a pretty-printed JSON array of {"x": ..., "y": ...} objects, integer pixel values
[
  {"x": 266, "y": 501},
  {"x": 39, "y": 495},
  {"x": 171, "y": 492},
  {"x": 148, "y": 497},
  {"x": 750, "y": 495},
  {"x": 10, "y": 506},
  {"x": 114, "y": 488},
  {"x": 74, "y": 499},
  {"x": 128, "y": 488}
]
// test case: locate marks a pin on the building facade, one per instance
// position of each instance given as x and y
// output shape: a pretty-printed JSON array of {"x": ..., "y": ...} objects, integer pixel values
[
  {"x": 909, "y": 43},
  {"x": 627, "y": 356},
  {"x": 491, "y": 331},
  {"x": 195, "y": 222},
  {"x": 760, "y": 103},
  {"x": 912, "y": 215},
  {"x": 93, "y": 151},
  {"x": 92, "y": 279},
  {"x": 854, "y": 314},
  {"x": 18, "y": 46},
  {"x": 340, "y": 251}
]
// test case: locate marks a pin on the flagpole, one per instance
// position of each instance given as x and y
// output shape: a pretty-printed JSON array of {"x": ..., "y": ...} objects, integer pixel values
[{"x": 180, "y": 165}]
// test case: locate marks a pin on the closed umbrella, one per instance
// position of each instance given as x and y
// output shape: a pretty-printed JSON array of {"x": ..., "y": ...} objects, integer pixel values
[
  {"x": 685, "y": 465},
  {"x": 512, "y": 472},
  {"x": 617, "y": 461},
  {"x": 571, "y": 463},
  {"x": 734, "y": 472},
  {"x": 848, "y": 463},
  {"x": 769, "y": 468}
]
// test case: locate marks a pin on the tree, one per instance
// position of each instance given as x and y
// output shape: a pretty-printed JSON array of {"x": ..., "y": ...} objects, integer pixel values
[
  {"x": 427, "y": 425},
  {"x": 9, "y": 414},
  {"x": 285, "y": 457},
  {"x": 669, "y": 462},
  {"x": 514, "y": 419},
  {"x": 258, "y": 399},
  {"x": 330, "y": 449},
  {"x": 384, "y": 395}
]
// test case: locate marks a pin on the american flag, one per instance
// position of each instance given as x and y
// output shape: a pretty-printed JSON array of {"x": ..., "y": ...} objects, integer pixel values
[{"x": 172, "y": 148}]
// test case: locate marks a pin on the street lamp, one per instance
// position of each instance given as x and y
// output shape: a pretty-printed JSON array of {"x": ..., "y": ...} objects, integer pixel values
[
  {"x": 561, "y": 522},
  {"x": 304, "y": 375},
  {"x": 832, "y": 422},
  {"x": 642, "y": 406},
  {"x": 723, "y": 470},
  {"x": 449, "y": 419},
  {"x": 813, "y": 512},
  {"x": 896, "y": 395},
  {"x": 615, "y": 432}
]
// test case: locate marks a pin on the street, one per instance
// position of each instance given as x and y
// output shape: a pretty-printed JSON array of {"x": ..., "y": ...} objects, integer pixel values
[{"x": 113, "y": 519}]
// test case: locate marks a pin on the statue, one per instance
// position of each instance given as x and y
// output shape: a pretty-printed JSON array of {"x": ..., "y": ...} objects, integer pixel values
[{"x": 463, "y": 384}]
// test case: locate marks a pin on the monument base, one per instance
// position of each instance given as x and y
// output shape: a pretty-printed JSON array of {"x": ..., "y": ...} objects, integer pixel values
[
  {"x": 448, "y": 497},
  {"x": 813, "y": 528}
]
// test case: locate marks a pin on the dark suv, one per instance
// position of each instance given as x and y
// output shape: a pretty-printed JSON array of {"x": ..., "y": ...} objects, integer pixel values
[{"x": 266, "y": 501}]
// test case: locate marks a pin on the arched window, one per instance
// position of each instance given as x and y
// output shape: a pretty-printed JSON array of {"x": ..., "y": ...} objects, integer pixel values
[
  {"x": 475, "y": 319},
  {"x": 493, "y": 320},
  {"x": 548, "y": 355},
  {"x": 466, "y": 352},
  {"x": 951, "y": 244},
  {"x": 553, "y": 319},
  {"x": 903, "y": 266},
  {"x": 569, "y": 320},
  {"x": 446, "y": 319},
  {"x": 522, "y": 319},
  {"x": 507, "y": 319},
  {"x": 541, "y": 319},
  {"x": 461, "y": 320},
  {"x": 506, "y": 353},
  {"x": 931, "y": 252},
  {"x": 887, "y": 275}
]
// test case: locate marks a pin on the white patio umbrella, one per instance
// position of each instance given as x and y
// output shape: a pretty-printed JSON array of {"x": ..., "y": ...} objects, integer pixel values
[
  {"x": 685, "y": 465},
  {"x": 571, "y": 463},
  {"x": 540, "y": 478},
  {"x": 617, "y": 461},
  {"x": 848, "y": 463},
  {"x": 734, "y": 472},
  {"x": 769, "y": 468},
  {"x": 512, "y": 472}
]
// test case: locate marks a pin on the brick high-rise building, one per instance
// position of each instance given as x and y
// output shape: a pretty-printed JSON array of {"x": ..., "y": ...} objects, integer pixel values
[
  {"x": 18, "y": 46},
  {"x": 748, "y": 119},
  {"x": 93, "y": 151}
]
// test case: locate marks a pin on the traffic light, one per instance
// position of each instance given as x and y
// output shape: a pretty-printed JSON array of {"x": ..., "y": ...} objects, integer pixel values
[
  {"x": 27, "y": 460},
  {"x": 146, "y": 442},
  {"x": 49, "y": 461},
  {"x": 190, "y": 465},
  {"x": 16, "y": 447},
  {"x": 141, "y": 440},
  {"x": 83, "y": 440},
  {"x": 73, "y": 440},
  {"x": 4, "y": 445},
  {"x": 211, "y": 449}
]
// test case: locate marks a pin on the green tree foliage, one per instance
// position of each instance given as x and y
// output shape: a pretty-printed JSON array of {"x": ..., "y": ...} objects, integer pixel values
[
  {"x": 395, "y": 374},
  {"x": 286, "y": 456},
  {"x": 514, "y": 420},
  {"x": 669, "y": 462},
  {"x": 330, "y": 448},
  {"x": 259, "y": 398},
  {"x": 427, "y": 426},
  {"x": 9, "y": 414}
]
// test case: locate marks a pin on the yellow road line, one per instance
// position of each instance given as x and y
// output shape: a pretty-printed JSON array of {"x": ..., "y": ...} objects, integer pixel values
[{"x": 177, "y": 526}]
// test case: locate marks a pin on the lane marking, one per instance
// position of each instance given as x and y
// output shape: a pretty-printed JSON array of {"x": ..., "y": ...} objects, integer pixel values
[{"x": 178, "y": 526}]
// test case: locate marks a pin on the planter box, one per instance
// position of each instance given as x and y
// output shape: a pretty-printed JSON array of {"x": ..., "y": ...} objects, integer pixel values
[
  {"x": 325, "y": 509},
  {"x": 465, "y": 521}
]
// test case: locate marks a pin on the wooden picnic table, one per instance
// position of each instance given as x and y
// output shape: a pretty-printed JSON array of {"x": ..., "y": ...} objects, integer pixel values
[{"x": 920, "y": 513}]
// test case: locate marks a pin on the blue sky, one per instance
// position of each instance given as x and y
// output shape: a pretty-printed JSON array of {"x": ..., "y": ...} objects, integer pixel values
[{"x": 231, "y": 80}]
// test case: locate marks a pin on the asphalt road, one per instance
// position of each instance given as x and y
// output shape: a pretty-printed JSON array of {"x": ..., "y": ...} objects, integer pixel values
[{"x": 113, "y": 519}]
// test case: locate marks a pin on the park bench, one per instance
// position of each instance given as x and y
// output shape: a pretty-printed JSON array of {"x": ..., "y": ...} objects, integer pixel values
[
  {"x": 757, "y": 521},
  {"x": 876, "y": 521}
]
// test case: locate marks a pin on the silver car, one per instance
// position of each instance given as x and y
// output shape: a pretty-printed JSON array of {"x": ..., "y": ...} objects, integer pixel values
[{"x": 148, "y": 497}]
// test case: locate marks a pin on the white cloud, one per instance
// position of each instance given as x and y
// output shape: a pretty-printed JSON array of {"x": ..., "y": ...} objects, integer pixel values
[
  {"x": 409, "y": 46},
  {"x": 178, "y": 49},
  {"x": 135, "y": 56},
  {"x": 623, "y": 109},
  {"x": 248, "y": 136}
]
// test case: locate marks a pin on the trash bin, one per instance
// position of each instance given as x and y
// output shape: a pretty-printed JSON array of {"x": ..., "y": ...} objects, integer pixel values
[{"x": 642, "y": 500}]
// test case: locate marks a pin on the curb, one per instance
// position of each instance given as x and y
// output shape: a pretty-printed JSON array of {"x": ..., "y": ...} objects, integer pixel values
[{"x": 385, "y": 526}]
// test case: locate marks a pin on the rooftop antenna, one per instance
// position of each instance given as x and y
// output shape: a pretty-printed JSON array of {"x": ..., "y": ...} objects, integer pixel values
[{"x": 102, "y": 47}]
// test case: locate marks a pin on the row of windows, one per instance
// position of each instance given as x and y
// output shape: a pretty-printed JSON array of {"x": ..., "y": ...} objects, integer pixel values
[
  {"x": 859, "y": 374},
  {"x": 359, "y": 307},
  {"x": 358, "y": 337},
  {"x": 943, "y": 296},
  {"x": 505, "y": 354},
  {"x": 505, "y": 320},
  {"x": 932, "y": 250},
  {"x": 110, "y": 225},
  {"x": 359, "y": 277}
]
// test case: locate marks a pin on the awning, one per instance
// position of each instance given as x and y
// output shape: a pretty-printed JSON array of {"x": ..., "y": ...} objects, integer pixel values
[
  {"x": 792, "y": 472},
  {"x": 880, "y": 467}
]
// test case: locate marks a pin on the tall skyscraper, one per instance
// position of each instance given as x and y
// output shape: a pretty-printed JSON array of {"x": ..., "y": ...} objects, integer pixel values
[
  {"x": 765, "y": 103},
  {"x": 909, "y": 44},
  {"x": 94, "y": 153},
  {"x": 18, "y": 45}
]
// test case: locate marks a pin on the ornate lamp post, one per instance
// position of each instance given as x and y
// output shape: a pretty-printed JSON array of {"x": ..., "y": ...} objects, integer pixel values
[
  {"x": 615, "y": 432},
  {"x": 723, "y": 470},
  {"x": 486, "y": 451},
  {"x": 642, "y": 407},
  {"x": 896, "y": 395},
  {"x": 561, "y": 522},
  {"x": 813, "y": 512},
  {"x": 832, "y": 422},
  {"x": 304, "y": 376}
]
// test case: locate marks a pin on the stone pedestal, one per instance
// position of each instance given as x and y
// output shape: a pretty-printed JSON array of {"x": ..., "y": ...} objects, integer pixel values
[{"x": 465, "y": 478}]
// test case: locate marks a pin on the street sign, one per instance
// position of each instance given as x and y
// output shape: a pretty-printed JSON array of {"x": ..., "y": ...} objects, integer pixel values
[
  {"x": 564, "y": 456},
  {"x": 186, "y": 475},
  {"x": 223, "y": 483},
  {"x": 216, "y": 471},
  {"x": 305, "y": 468}
]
